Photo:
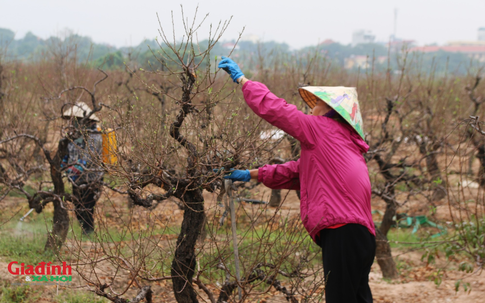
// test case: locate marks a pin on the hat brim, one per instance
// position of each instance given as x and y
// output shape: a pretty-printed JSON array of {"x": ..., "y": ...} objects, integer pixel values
[
  {"x": 309, "y": 98},
  {"x": 79, "y": 110},
  {"x": 342, "y": 99}
]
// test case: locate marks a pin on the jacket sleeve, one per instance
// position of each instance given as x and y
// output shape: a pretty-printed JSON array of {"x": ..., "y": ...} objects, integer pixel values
[
  {"x": 281, "y": 176},
  {"x": 277, "y": 112}
]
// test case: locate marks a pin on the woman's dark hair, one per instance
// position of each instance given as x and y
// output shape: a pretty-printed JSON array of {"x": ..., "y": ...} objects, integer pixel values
[{"x": 333, "y": 114}]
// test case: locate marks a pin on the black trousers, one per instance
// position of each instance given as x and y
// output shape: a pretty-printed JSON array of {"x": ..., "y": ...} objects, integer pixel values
[
  {"x": 348, "y": 253},
  {"x": 85, "y": 207}
]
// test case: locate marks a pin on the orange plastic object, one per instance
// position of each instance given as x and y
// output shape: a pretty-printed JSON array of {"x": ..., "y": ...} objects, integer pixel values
[{"x": 109, "y": 146}]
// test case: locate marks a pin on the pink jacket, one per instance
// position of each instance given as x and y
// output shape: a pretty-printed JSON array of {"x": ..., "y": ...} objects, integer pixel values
[{"x": 331, "y": 173}]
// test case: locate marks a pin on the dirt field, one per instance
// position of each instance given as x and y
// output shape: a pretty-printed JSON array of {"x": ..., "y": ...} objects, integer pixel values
[{"x": 416, "y": 283}]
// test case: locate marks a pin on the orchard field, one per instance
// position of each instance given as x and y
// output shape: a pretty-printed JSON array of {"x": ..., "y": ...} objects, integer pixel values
[{"x": 164, "y": 232}]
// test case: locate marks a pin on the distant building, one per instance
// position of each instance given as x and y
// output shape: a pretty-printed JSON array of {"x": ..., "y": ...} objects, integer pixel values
[
  {"x": 362, "y": 62},
  {"x": 362, "y": 37},
  {"x": 327, "y": 42},
  {"x": 356, "y": 62},
  {"x": 398, "y": 45},
  {"x": 473, "y": 49},
  {"x": 230, "y": 45},
  {"x": 466, "y": 43},
  {"x": 250, "y": 37},
  {"x": 481, "y": 34}
]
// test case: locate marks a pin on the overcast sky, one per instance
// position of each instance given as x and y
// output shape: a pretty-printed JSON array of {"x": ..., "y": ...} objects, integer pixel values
[{"x": 296, "y": 22}]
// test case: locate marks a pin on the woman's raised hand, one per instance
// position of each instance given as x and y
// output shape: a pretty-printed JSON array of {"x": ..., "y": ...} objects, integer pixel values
[{"x": 231, "y": 67}]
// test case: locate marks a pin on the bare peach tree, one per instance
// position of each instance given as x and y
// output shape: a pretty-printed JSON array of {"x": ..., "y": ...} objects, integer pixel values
[
  {"x": 176, "y": 128},
  {"x": 21, "y": 145},
  {"x": 404, "y": 131}
]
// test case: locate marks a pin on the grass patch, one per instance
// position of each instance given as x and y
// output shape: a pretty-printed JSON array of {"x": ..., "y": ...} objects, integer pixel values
[
  {"x": 402, "y": 237},
  {"x": 27, "y": 294},
  {"x": 26, "y": 248},
  {"x": 37, "y": 226},
  {"x": 79, "y": 297},
  {"x": 20, "y": 294},
  {"x": 29, "y": 189},
  {"x": 25, "y": 241},
  {"x": 121, "y": 233},
  {"x": 282, "y": 247}
]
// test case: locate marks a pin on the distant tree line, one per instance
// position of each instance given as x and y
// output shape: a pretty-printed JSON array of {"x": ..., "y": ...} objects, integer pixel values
[{"x": 101, "y": 55}]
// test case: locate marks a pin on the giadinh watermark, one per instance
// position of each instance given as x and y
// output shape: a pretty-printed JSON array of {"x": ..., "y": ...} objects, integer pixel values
[{"x": 43, "y": 272}]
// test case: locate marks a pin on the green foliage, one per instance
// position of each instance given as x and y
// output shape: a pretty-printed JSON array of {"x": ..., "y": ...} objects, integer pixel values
[
  {"x": 401, "y": 265},
  {"x": 247, "y": 53},
  {"x": 465, "y": 285},
  {"x": 466, "y": 267},
  {"x": 79, "y": 297},
  {"x": 261, "y": 245},
  {"x": 110, "y": 61},
  {"x": 338, "y": 52},
  {"x": 430, "y": 255},
  {"x": 26, "y": 47},
  {"x": 442, "y": 61},
  {"x": 33, "y": 48},
  {"x": 20, "y": 294},
  {"x": 469, "y": 238},
  {"x": 24, "y": 246},
  {"x": 6, "y": 36},
  {"x": 29, "y": 189},
  {"x": 402, "y": 237},
  {"x": 437, "y": 277}
]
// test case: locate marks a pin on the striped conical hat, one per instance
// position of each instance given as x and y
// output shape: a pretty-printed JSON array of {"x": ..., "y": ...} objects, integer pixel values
[
  {"x": 79, "y": 110},
  {"x": 342, "y": 99}
]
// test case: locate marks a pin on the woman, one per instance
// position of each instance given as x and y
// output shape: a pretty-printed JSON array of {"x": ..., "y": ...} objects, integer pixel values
[
  {"x": 83, "y": 163},
  {"x": 331, "y": 174}
]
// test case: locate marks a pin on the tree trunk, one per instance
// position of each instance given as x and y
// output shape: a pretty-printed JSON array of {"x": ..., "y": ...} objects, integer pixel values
[
  {"x": 37, "y": 153},
  {"x": 384, "y": 256},
  {"x": 2, "y": 95},
  {"x": 383, "y": 248},
  {"x": 60, "y": 226},
  {"x": 183, "y": 264},
  {"x": 438, "y": 184},
  {"x": 480, "y": 155},
  {"x": 275, "y": 199}
]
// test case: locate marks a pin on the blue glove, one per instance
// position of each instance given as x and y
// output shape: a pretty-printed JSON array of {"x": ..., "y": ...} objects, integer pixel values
[
  {"x": 237, "y": 175},
  {"x": 231, "y": 68}
]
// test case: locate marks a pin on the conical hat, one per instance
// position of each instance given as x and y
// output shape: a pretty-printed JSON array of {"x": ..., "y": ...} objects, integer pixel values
[
  {"x": 79, "y": 110},
  {"x": 342, "y": 99}
]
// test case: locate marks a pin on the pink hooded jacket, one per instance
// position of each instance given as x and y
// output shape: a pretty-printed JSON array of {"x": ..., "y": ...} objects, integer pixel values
[{"x": 331, "y": 173}]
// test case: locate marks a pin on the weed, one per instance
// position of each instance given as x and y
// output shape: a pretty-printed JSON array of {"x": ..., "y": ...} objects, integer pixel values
[
  {"x": 78, "y": 297},
  {"x": 437, "y": 277},
  {"x": 27, "y": 248},
  {"x": 15, "y": 193},
  {"x": 402, "y": 266},
  {"x": 399, "y": 237},
  {"x": 21, "y": 294},
  {"x": 465, "y": 285},
  {"x": 468, "y": 239}
]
